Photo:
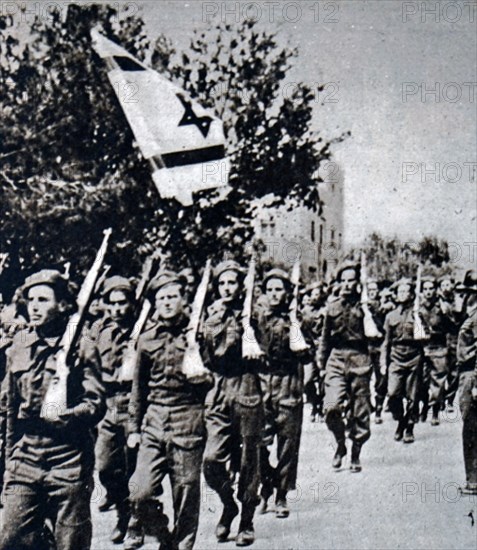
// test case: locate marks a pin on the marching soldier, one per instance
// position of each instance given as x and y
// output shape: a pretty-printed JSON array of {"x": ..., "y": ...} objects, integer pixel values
[
  {"x": 401, "y": 359},
  {"x": 344, "y": 359},
  {"x": 234, "y": 414},
  {"x": 115, "y": 462},
  {"x": 374, "y": 349},
  {"x": 467, "y": 360},
  {"x": 436, "y": 316},
  {"x": 282, "y": 389},
  {"x": 313, "y": 316},
  {"x": 167, "y": 424},
  {"x": 48, "y": 459},
  {"x": 446, "y": 297}
]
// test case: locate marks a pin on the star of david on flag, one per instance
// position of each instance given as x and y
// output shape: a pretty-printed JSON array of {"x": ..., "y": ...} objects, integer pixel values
[{"x": 184, "y": 143}]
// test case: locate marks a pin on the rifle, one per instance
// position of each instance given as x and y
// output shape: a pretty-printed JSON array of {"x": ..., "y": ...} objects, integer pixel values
[
  {"x": 419, "y": 331},
  {"x": 56, "y": 399},
  {"x": 129, "y": 361},
  {"x": 250, "y": 347},
  {"x": 192, "y": 365},
  {"x": 297, "y": 342},
  {"x": 3, "y": 260},
  {"x": 370, "y": 328}
]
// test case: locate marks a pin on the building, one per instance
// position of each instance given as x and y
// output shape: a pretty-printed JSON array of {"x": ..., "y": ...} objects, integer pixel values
[{"x": 289, "y": 232}]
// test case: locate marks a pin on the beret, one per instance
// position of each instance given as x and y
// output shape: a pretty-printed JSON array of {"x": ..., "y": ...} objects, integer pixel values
[
  {"x": 347, "y": 265},
  {"x": 50, "y": 277},
  {"x": 164, "y": 278},
  {"x": 227, "y": 265},
  {"x": 276, "y": 273},
  {"x": 116, "y": 283}
]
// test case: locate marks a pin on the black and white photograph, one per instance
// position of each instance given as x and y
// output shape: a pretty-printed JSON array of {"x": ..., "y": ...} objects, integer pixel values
[{"x": 238, "y": 275}]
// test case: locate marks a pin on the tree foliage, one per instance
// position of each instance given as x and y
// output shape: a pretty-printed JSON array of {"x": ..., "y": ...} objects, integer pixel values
[
  {"x": 391, "y": 258},
  {"x": 68, "y": 162}
]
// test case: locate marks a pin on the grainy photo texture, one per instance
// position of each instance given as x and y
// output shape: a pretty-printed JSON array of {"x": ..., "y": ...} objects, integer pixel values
[{"x": 238, "y": 275}]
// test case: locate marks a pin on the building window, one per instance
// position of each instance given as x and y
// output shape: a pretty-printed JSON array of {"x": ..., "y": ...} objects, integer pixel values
[
  {"x": 321, "y": 234},
  {"x": 332, "y": 235},
  {"x": 313, "y": 232}
]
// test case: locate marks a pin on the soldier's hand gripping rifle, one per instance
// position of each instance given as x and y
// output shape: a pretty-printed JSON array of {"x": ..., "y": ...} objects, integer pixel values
[
  {"x": 192, "y": 365},
  {"x": 129, "y": 359},
  {"x": 419, "y": 330},
  {"x": 55, "y": 401},
  {"x": 250, "y": 347},
  {"x": 297, "y": 340},
  {"x": 370, "y": 328}
]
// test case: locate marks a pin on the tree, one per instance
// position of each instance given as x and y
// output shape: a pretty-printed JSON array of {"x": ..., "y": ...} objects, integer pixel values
[
  {"x": 72, "y": 169},
  {"x": 390, "y": 258}
]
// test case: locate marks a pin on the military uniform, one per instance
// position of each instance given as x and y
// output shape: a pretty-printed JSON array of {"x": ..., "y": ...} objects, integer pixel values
[
  {"x": 467, "y": 361},
  {"x": 234, "y": 414},
  {"x": 282, "y": 389},
  {"x": 402, "y": 356},
  {"x": 49, "y": 464},
  {"x": 115, "y": 462},
  {"x": 313, "y": 318},
  {"x": 374, "y": 350},
  {"x": 344, "y": 351},
  {"x": 168, "y": 412},
  {"x": 435, "y": 368}
]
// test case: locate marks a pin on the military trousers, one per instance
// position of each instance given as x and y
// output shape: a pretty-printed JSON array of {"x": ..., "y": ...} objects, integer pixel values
[
  {"x": 468, "y": 407},
  {"x": 403, "y": 384},
  {"x": 380, "y": 380},
  {"x": 115, "y": 462},
  {"x": 172, "y": 443},
  {"x": 234, "y": 423},
  {"x": 436, "y": 373},
  {"x": 453, "y": 372},
  {"x": 47, "y": 480},
  {"x": 347, "y": 381}
]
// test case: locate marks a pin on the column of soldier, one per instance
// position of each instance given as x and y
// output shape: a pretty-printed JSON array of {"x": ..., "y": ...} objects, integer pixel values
[{"x": 166, "y": 378}]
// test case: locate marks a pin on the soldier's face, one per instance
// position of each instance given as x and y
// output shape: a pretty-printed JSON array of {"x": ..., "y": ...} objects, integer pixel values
[
  {"x": 428, "y": 290},
  {"x": 228, "y": 286},
  {"x": 372, "y": 291},
  {"x": 275, "y": 292},
  {"x": 316, "y": 295},
  {"x": 169, "y": 301},
  {"x": 446, "y": 286},
  {"x": 403, "y": 294},
  {"x": 349, "y": 282},
  {"x": 118, "y": 305},
  {"x": 42, "y": 305}
]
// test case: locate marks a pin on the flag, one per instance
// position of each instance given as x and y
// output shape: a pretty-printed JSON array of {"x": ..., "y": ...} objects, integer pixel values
[{"x": 184, "y": 143}]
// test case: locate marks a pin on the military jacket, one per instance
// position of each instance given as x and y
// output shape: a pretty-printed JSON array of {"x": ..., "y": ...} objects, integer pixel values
[
  {"x": 399, "y": 344},
  {"x": 343, "y": 328},
  {"x": 467, "y": 344},
  {"x": 158, "y": 377},
  {"x": 31, "y": 363}
]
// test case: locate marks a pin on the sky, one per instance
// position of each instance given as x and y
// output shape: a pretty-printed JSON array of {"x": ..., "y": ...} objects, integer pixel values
[{"x": 410, "y": 163}]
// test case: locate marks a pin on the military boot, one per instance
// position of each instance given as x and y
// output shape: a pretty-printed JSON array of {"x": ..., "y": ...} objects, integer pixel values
[{"x": 355, "y": 465}]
